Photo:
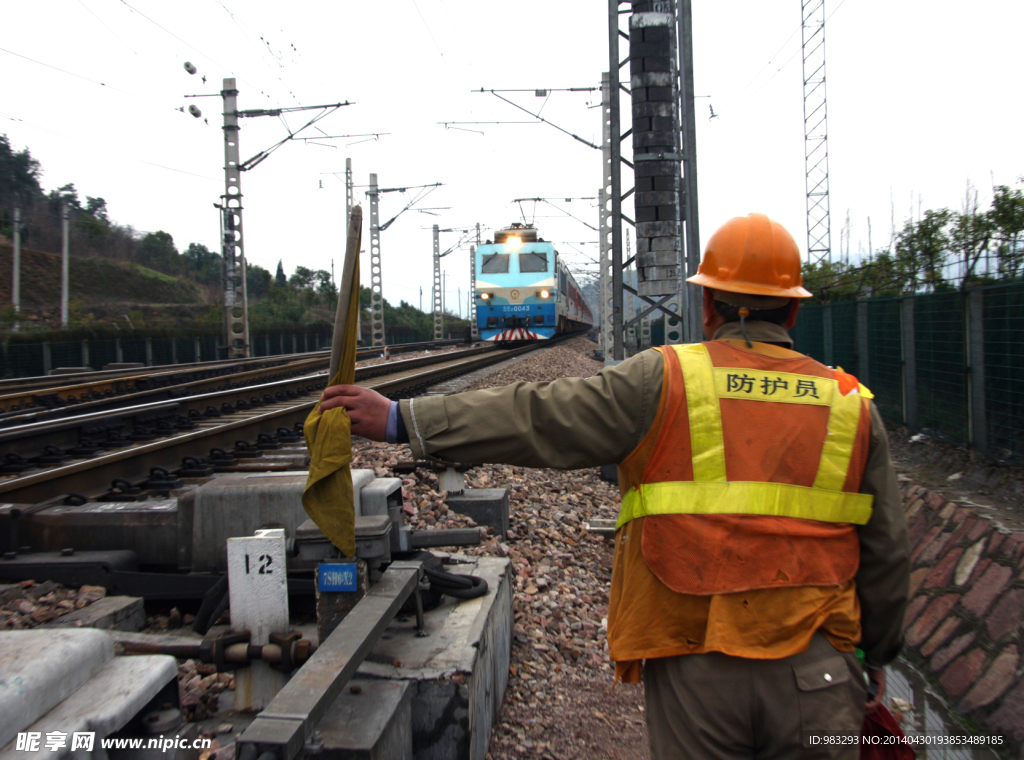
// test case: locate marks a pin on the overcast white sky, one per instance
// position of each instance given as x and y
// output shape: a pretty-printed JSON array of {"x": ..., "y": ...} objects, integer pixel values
[{"x": 922, "y": 97}]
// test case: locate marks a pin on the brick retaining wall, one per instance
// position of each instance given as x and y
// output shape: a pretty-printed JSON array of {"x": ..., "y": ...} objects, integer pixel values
[{"x": 963, "y": 623}]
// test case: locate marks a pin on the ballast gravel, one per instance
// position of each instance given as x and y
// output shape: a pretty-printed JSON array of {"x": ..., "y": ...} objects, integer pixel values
[{"x": 560, "y": 703}]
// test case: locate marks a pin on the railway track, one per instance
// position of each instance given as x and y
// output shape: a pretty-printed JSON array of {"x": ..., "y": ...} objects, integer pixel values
[
  {"x": 221, "y": 430},
  {"x": 53, "y": 396}
]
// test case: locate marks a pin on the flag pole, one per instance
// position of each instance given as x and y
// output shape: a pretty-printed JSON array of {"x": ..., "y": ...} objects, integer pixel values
[{"x": 348, "y": 282}]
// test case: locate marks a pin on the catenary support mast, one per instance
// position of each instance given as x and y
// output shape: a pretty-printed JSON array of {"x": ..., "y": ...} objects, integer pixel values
[
  {"x": 437, "y": 289},
  {"x": 236, "y": 306},
  {"x": 376, "y": 282},
  {"x": 819, "y": 225},
  {"x": 474, "y": 330}
]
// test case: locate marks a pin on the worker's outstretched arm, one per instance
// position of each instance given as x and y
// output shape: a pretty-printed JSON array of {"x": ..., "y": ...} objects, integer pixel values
[
  {"x": 567, "y": 423},
  {"x": 367, "y": 409}
]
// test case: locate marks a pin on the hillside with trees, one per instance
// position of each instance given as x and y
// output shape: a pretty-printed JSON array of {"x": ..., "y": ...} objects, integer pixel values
[{"x": 122, "y": 278}]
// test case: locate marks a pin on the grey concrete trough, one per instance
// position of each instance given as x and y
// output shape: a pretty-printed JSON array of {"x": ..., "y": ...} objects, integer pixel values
[{"x": 458, "y": 672}]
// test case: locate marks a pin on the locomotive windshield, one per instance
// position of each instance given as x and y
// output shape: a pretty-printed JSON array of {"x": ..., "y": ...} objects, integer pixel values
[
  {"x": 494, "y": 263},
  {"x": 533, "y": 262}
]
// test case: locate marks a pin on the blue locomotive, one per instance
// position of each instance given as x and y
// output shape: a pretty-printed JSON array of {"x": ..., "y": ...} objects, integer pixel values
[{"x": 524, "y": 291}]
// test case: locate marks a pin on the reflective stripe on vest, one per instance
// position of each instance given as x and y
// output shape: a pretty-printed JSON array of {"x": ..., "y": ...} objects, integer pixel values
[{"x": 710, "y": 493}]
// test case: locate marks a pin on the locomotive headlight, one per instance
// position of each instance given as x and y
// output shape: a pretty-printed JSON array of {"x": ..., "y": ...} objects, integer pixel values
[
  {"x": 513, "y": 242},
  {"x": 485, "y": 296},
  {"x": 545, "y": 294}
]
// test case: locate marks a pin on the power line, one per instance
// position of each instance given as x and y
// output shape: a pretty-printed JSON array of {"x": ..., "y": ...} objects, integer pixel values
[
  {"x": 84, "y": 78},
  {"x": 179, "y": 39},
  {"x": 130, "y": 48},
  {"x": 779, "y": 70}
]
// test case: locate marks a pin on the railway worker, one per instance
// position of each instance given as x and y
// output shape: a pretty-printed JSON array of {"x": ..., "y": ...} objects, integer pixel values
[{"x": 761, "y": 538}]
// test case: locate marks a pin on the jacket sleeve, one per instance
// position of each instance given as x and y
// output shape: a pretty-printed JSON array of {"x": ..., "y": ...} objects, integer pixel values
[
  {"x": 567, "y": 423},
  {"x": 883, "y": 580}
]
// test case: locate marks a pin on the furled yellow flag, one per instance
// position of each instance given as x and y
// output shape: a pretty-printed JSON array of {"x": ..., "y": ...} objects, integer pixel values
[{"x": 328, "y": 497}]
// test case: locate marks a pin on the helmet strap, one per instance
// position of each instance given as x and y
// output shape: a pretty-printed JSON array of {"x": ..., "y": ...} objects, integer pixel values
[{"x": 744, "y": 312}]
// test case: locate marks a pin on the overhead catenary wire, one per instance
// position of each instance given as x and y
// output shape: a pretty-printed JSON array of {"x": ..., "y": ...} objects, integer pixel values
[
  {"x": 539, "y": 118},
  {"x": 86, "y": 79},
  {"x": 777, "y": 71}
]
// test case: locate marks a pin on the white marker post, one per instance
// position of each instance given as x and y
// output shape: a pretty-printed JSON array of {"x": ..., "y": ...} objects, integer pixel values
[{"x": 258, "y": 585}]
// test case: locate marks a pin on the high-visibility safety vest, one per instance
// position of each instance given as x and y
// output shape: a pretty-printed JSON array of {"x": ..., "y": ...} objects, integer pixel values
[{"x": 749, "y": 476}]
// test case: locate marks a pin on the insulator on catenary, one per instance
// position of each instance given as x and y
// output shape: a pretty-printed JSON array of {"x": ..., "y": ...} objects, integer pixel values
[
  {"x": 194, "y": 110},
  {"x": 190, "y": 67}
]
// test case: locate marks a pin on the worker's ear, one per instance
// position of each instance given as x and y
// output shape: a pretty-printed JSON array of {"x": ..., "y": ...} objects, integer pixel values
[{"x": 794, "y": 307}]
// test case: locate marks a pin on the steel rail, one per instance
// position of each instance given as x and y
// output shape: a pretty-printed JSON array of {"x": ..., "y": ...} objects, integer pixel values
[
  {"x": 235, "y": 381},
  {"x": 33, "y": 437},
  {"x": 93, "y": 476},
  {"x": 17, "y": 393},
  {"x": 24, "y": 390}
]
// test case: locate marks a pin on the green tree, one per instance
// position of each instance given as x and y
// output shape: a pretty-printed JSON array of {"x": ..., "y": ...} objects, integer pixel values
[
  {"x": 302, "y": 279},
  {"x": 96, "y": 208},
  {"x": 19, "y": 176},
  {"x": 157, "y": 251},
  {"x": 280, "y": 277},
  {"x": 921, "y": 249},
  {"x": 202, "y": 264},
  {"x": 1007, "y": 219},
  {"x": 65, "y": 195},
  {"x": 969, "y": 237},
  {"x": 257, "y": 281}
]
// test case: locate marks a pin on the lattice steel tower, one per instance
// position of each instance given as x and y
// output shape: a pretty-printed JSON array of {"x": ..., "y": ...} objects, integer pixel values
[
  {"x": 376, "y": 281},
  {"x": 819, "y": 236}
]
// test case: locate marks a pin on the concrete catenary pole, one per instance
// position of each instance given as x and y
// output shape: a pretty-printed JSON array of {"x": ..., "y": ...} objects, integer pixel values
[
  {"x": 656, "y": 156},
  {"x": 16, "y": 276},
  {"x": 236, "y": 305},
  {"x": 613, "y": 182},
  {"x": 64, "y": 263},
  {"x": 376, "y": 282},
  {"x": 605, "y": 305},
  {"x": 438, "y": 325},
  {"x": 474, "y": 330},
  {"x": 688, "y": 123}
]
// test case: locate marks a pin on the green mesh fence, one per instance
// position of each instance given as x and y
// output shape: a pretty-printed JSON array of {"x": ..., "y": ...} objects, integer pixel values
[
  {"x": 28, "y": 359},
  {"x": 208, "y": 349},
  {"x": 941, "y": 364},
  {"x": 885, "y": 362},
  {"x": 133, "y": 350},
  {"x": 23, "y": 360},
  {"x": 162, "y": 353},
  {"x": 66, "y": 354},
  {"x": 844, "y": 336},
  {"x": 1003, "y": 319},
  {"x": 186, "y": 348},
  {"x": 808, "y": 334},
  {"x": 102, "y": 353}
]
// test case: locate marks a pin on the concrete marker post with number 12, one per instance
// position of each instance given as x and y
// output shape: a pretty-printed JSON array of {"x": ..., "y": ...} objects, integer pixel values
[{"x": 258, "y": 588}]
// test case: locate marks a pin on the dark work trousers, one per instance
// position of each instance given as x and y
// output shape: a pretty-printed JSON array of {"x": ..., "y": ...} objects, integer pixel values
[{"x": 716, "y": 707}]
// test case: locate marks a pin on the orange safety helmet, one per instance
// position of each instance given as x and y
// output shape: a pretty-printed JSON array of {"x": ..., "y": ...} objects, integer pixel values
[{"x": 752, "y": 254}]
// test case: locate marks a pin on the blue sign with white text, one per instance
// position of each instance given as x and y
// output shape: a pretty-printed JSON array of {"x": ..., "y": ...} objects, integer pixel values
[{"x": 336, "y": 576}]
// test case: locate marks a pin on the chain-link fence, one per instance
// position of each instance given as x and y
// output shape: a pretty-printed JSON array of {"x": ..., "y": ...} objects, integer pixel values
[
  {"x": 884, "y": 356},
  {"x": 947, "y": 363},
  {"x": 19, "y": 359},
  {"x": 1003, "y": 318}
]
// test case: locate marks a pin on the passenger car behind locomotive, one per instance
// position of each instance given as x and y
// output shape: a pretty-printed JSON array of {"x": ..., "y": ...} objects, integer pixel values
[{"x": 524, "y": 291}]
